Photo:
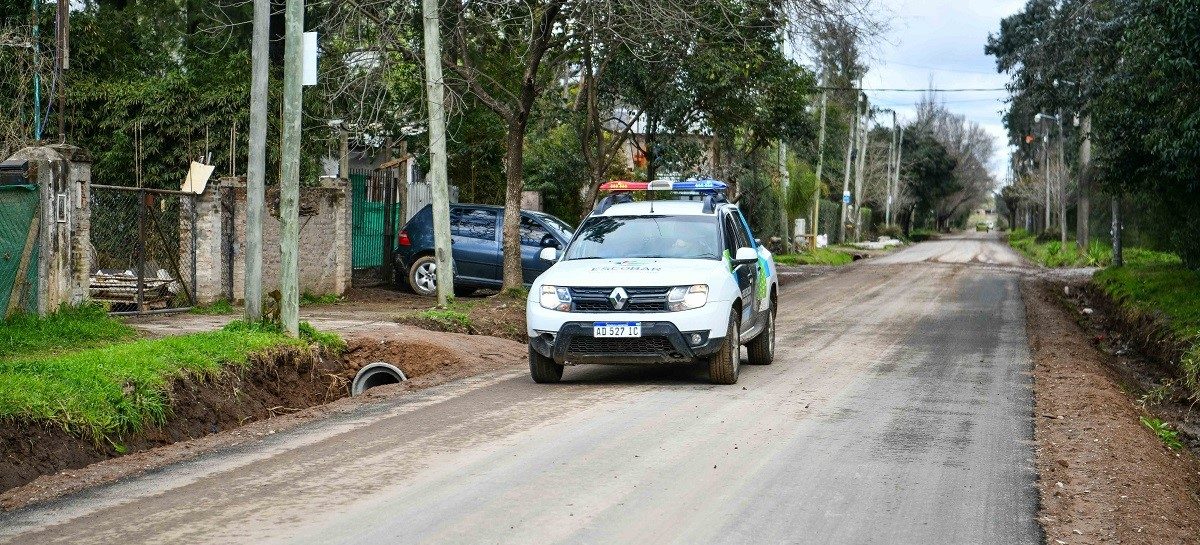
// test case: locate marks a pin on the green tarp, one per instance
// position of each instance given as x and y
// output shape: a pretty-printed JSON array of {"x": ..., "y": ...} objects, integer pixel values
[{"x": 18, "y": 204}]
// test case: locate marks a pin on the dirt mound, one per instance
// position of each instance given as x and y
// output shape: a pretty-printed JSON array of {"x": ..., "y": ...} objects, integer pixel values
[{"x": 277, "y": 383}]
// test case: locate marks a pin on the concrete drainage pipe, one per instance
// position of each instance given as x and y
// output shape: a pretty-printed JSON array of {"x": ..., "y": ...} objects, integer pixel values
[{"x": 376, "y": 374}]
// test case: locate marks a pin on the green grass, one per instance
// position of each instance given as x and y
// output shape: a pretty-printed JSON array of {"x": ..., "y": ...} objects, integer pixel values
[
  {"x": 822, "y": 256},
  {"x": 71, "y": 328},
  {"x": 447, "y": 316},
  {"x": 1054, "y": 253},
  {"x": 120, "y": 388},
  {"x": 1155, "y": 284},
  {"x": 220, "y": 307},
  {"x": 307, "y": 299},
  {"x": 1165, "y": 433}
]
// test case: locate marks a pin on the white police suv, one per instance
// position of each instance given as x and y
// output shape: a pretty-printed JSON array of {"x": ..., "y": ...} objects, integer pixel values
[{"x": 655, "y": 282}]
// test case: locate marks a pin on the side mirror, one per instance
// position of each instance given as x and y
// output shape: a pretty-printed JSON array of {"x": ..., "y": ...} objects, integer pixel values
[
  {"x": 549, "y": 253},
  {"x": 549, "y": 241},
  {"x": 745, "y": 255}
]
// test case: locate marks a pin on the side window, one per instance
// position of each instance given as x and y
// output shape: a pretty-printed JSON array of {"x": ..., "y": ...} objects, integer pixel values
[
  {"x": 532, "y": 232},
  {"x": 731, "y": 239},
  {"x": 745, "y": 239},
  {"x": 473, "y": 223}
]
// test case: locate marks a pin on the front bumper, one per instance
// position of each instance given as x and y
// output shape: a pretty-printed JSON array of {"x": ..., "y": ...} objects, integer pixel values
[{"x": 661, "y": 342}]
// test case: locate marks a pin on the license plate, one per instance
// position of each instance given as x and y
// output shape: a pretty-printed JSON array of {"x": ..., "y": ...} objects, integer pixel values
[{"x": 617, "y": 329}]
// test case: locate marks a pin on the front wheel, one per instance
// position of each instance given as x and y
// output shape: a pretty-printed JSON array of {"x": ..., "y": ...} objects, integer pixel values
[
  {"x": 762, "y": 349},
  {"x": 723, "y": 366},
  {"x": 543, "y": 369},
  {"x": 422, "y": 276}
]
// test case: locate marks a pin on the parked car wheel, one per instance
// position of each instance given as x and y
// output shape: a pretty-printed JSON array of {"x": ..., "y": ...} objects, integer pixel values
[
  {"x": 422, "y": 276},
  {"x": 723, "y": 366},
  {"x": 761, "y": 350},
  {"x": 543, "y": 369}
]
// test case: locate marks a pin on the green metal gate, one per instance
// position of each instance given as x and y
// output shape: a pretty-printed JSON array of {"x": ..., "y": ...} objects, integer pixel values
[
  {"x": 19, "y": 248},
  {"x": 372, "y": 194}
]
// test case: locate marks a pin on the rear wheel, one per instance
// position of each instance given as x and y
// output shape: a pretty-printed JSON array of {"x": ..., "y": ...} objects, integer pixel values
[
  {"x": 762, "y": 349},
  {"x": 543, "y": 369},
  {"x": 723, "y": 366},
  {"x": 422, "y": 276}
]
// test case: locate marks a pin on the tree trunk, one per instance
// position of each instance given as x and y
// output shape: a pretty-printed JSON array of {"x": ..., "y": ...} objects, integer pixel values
[{"x": 514, "y": 162}]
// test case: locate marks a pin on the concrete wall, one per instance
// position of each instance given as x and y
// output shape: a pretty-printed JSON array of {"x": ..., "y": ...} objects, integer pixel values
[
  {"x": 63, "y": 176},
  {"x": 325, "y": 247}
]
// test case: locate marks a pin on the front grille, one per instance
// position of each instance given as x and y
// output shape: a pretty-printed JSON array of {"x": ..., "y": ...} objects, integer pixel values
[
  {"x": 603, "y": 345},
  {"x": 640, "y": 300}
]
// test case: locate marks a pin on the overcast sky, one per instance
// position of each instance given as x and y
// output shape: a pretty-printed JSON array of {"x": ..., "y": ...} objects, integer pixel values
[{"x": 942, "y": 41}]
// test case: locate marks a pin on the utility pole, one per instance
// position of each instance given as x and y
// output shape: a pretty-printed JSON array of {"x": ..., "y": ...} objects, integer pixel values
[
  {"x": 1046, "y": 175},
  {"x": 1062, "y": 182},
  {"x": 783, "y": 193},
  {"x": 899, "y": 156},
  {"x": 816, "y": 208},
  {"x": 257, "y": 161},
  {"x": 289, "y": 182},
  {"x": 846, "y": 173},
  {"x": 860, "y": 172},
  {"x": 37, "y": 75},
  {"x": 891, "y": 160},
  {"x": 1084, "y": 209},
  {"x": 63, "y": 61},
  {"x": 1118, "y": 255},
  {"x": 436, "y": 95}
]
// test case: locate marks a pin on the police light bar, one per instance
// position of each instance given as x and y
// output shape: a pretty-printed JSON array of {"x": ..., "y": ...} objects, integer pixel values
[
  {"x": 703, "y": 185},
  {"x": 623, "y": 185},
  {"x": 700, "y": 185}
]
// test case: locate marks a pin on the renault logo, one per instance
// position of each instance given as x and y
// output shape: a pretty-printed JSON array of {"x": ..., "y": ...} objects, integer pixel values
[{"x": 618, "y": 298}]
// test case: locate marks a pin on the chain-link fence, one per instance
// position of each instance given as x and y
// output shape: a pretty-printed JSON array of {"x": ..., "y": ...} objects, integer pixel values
[{"x": 136, "y": 251}]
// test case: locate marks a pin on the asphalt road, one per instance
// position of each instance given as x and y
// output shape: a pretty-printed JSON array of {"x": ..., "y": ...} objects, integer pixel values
[{"x": 898, "y": 411}]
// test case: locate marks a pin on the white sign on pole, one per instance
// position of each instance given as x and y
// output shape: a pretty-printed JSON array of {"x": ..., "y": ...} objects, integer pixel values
[{"x": 309, "y": 72}]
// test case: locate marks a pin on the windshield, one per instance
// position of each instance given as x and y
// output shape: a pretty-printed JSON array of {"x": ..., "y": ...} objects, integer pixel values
[
  {"x": 681, "y": 237},
  {"x": 556, "y": 223}
]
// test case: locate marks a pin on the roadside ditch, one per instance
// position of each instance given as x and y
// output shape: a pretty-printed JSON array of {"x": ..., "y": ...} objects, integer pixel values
[
  {"x": 1106, "y": 475},
  {"x": 41, "y": 460}
]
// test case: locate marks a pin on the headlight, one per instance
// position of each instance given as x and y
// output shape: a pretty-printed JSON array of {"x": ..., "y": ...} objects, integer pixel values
[
  {"x": 556, "y": 298},
  {"x": 687, "y": 297}
]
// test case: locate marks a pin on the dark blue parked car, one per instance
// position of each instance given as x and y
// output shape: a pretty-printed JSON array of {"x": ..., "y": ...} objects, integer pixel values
[{"x": 476, "y": 232}]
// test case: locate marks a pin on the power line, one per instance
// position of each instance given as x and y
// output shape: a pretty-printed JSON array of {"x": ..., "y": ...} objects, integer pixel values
[{"x": 916, "y": 90}]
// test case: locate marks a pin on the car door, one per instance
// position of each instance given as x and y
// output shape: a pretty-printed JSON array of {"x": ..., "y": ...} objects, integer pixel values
[
  {"x": 534, "y": 237},
  {"x": 744, "y": 273},
  {"x": 474, "y": 235},
  {"x": 760, "y": 275}
]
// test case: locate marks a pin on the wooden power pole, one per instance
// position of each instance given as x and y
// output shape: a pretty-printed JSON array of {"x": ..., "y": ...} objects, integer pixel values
[
  {"x": 257, "y": 162},
  {"x": 846, "y": 172},
  {"x": 289, "y": 179},
  {"x": 816, "y": 208},
  {"x": 435, "y": 95}
]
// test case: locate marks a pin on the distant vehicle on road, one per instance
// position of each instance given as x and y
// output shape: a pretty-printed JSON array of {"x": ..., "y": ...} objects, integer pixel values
[
  {"x": 475, "y": 231},
  {"x": 656, "y": 282}
]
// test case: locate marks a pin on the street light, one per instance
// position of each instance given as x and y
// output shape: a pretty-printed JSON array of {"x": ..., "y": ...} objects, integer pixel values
[{"x": 1037, "y": 119}]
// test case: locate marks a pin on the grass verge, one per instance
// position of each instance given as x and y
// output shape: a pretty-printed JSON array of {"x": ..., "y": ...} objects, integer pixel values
[
  {"x": 1154, "y": 287},
  {"x": 822, "y": 256},
  {"x": 71, "y": 328},
  {"x": 1056, "y": 254},
  {"x": 111, "y": 390}
]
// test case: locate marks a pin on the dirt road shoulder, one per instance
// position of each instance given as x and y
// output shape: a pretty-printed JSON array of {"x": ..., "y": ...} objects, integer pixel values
[{"x": 1103, "y": 476}]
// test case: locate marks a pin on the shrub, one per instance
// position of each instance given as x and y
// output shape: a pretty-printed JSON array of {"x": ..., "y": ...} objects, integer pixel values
[
  {"x": 1049, "y": 235},
  {"x": 892, "y": 231}
]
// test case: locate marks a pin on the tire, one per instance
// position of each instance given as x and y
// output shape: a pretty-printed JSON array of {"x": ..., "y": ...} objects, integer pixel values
[
  {"x": 761, "y": 350},
  {"x": 464, "y": 291},
  {"x": 422, "y": 276},
  {"x": 723, "y": 366},
  {"x": 543, "y": 369}
]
